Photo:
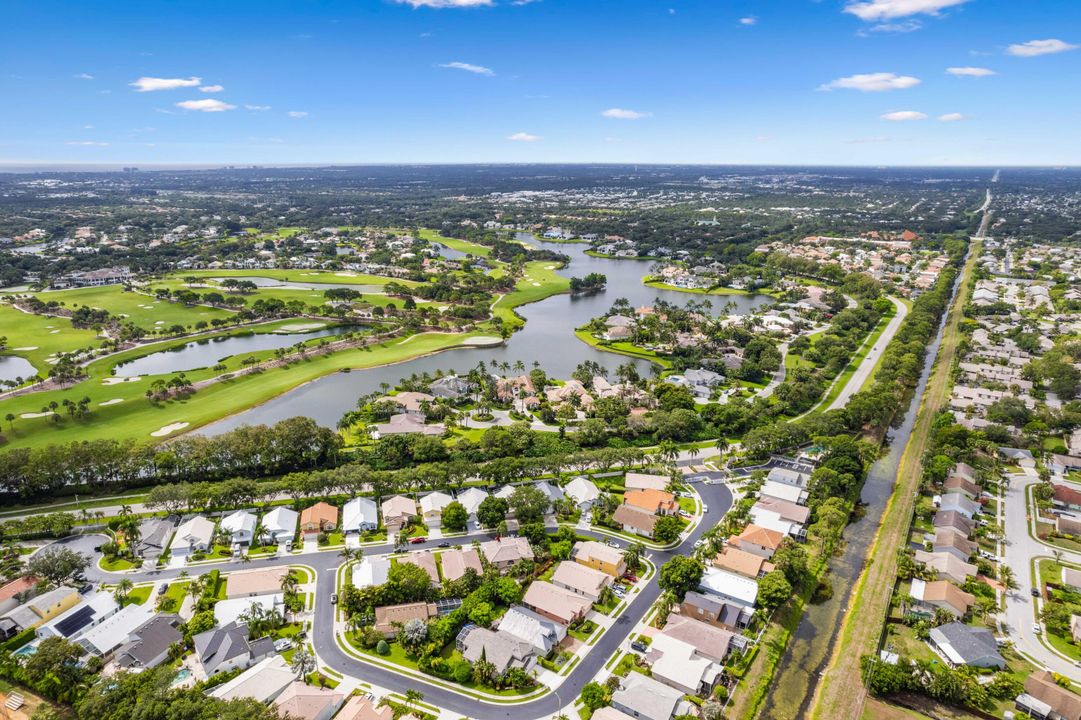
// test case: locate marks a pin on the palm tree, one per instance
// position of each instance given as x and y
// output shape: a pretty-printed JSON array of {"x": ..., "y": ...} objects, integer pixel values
[
  {"x": 722, "y": 445},
  {"x": 123, "y": 588},
  {"x": 303, "y": 663},
  {"x": 412, "y": 697},
  {"x": 350, "y": 554}
]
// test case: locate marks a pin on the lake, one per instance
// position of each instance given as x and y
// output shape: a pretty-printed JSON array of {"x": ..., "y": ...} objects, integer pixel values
[
  {"x": 548, "y": 337},
  {"x": 208, "y": 352},
  {"x": 13, "y": 366}
]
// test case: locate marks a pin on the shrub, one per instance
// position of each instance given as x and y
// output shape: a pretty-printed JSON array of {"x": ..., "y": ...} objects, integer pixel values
[{"x": 382, "y": 648}]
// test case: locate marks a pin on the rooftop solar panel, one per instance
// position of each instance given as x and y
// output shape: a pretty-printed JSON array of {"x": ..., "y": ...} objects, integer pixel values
[{"x": 75, "y": 622}]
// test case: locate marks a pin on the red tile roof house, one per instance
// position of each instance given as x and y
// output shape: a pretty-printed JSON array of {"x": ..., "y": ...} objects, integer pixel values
[
  {"x": 425, "y": 560},
  {"x": 14, "y": 591},
  {"x": 1067, "y": 497},
  {"x": 655, "y": 501}
]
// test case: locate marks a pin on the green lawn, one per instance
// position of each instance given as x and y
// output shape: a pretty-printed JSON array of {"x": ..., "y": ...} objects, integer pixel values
[
  {"x": 145, "y": 311},
  {"x": 455, "y": 244},
  {"x": 139, "y": 595},
  {"x": 36, "y": 331},
  {"x": 622, "y": 348},
  {"x": 698, "y": 291},
  {"x": 539, "y": 280},
  {"x": 116, "y": 564},
  {"x": 312, "y": 276}
]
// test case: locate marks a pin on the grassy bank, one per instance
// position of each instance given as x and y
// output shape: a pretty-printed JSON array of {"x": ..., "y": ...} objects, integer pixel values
[{"x": 622, "y": 348}]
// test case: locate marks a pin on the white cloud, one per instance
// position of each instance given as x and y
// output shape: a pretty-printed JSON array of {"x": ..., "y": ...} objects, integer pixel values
[
  {"x": 524, "y": 137},
  {"x": 623, "y": 114},
  {"x": 150, "y": 84},
  {"x": 88, "y": 143},
  {"x": 749, "y": 20},
  {"x": 256, "y": 107},
  {"x": 1032, "y": 48},
  {"x": 969, "y": 71},
  {"x": 297, "y": 113},
  {"x": 207, "y": 105},
  {"x": 83, "y": 76},
  {"x": 211, "y": 88},
  {"x": 905, "y": 26},
  {"x": 890, "y": 9},
  {"x": 903, "y": 115},
  {"x": 872, "y": 82},
  {"x": 445, "y": 3},
  {"x": 468, "y": 67},
  {"x": 951, "y": 117}
]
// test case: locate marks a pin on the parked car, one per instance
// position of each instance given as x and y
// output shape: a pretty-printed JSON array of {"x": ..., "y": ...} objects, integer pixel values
[
  {"x": 334, "y": 599},
  {"x": 705, "y": 508},
  {"x": 163, "y": 588},
  {"x": 638, "y": 646},
  {"x": 1035, "y": 592},
  {"x": 630, "y": 578},
  {"x": 611, "y": 543},
  {"x": 417, "y": 540},
  {"x": 1036, "y": 628},
  {"x": 444, "y": 544},
  {"x": 283, "y": 644}
]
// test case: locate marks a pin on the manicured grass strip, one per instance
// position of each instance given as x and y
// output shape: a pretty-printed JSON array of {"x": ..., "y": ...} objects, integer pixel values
[{"x": 621, "y": 348}]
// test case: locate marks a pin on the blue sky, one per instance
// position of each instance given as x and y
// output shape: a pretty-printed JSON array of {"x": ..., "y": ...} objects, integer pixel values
[{"x": 650, "y": 81}]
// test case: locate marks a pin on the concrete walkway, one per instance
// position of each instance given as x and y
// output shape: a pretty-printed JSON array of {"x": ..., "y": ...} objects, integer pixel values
[{"x": 863, "y": 372}]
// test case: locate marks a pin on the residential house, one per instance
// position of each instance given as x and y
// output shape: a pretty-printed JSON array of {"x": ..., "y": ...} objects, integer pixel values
[
  {"x": 389, "y": 617},
  {"x": 709, "y": 641},
  {"x": 581, "y": 580},
  {"x": 957, "y": 484},
  {"x": 450, "y": 387},
  {"x": 955, "y": 520},
  {"x": 948, "y": 566},
  {"x": 645, "y": 698},
  {"x": 780, "y": 515},
  {"x": 939, "y": 594},
  {"x": 758, "y": 540},
  {"x": 425, "y": 560},
  {"x": 227, "y": 648},
  {"x": 742, "y": 562},
  {"x": 456, "y": 562},
  {"x": 677, "y": 664},
  {"x": 963, "y": 644},
  {"x": 654, "y": 501},
  {"x": 783, "y": 491},
  {"x": 109, "y": 634},
  {"x": 301, "y": 701},
  {"x": 12, "y": 593},
  {"x": 40, "y": 609},
  {"x": 1047, "y": 700},
  {"x": 1071, "y": 579},
  {"x": 471, "y": 498},
  {"x": 240, "y": 526},
  {"x": 320, "y": 517},
  {"x": 599, "y": 557},
  {"x": 540, "y": 632},
  {"x": 959, "y": 503},
  {"x": 194, "y": 536},
  {"x": 280, "y": 525},
  {"x": 555, "y": 603},
  {"x": 609, "y": 713},
  {"x": 1075, "y": 627},
  {"x": 371, "y": 571},
  {"x": 148, "y": 645},
  {"x": 729, "y": 587},
  {"x": 263, "y": 681},
  {"x": 503, "y": 650},
  {"x": 1066, "y": 496},
  {"x": 1019, "y": 456},
  {"x": 359, "y": 707},
  {"x": 398, "y": 511},
  {"x": 431, "y": 508},
  {"x": 413, "y": 403},
  {"x": 406, "y": 424},
  {"x": 788, "y": 476},
  {"x": 259, "y": 581},
  {"x": 644, "y": 481},
  {"x": 95, "y": 609},
  {"x": 948, "y": 540},
  {"x": 360, "y": 515},
  {"x": 714, "y": 611},
  {"x": 504, "y": 553},
  {"x": 550, "y": 491},
  {"x": 583, "y": 491},
  {"x": 635, "y": 520},
  {"x": 155, "y": 534}
]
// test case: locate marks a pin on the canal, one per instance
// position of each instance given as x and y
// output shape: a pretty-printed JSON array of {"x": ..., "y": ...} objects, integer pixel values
[{"x": 548, "y": 337}]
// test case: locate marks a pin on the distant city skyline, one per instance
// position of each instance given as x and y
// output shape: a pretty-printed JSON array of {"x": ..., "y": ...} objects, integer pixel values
[{"x": 798, "y": 82}]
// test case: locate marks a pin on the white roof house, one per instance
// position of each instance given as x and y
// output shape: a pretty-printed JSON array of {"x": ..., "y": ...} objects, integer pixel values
[
  {"x": 784, "y": 491},
  {"x": 227, "y": 611},
  {"x": 583, "y": 491},
  {"x": 196, "y": 535},
  {"x": 681, "y": 667},
  {"x": 533, "y": 628},
  {"x": 280, "y": 524},
  {"x": 729, "y": 586},
  {"x": 70, "y": 624},
  {"x": 263, "y": 681},
  {"x": 111, "y": 633},
  {"x": 471, "y": 499},
  {"x": 240, "y": 526},
  {"x": 432, "y": 504},
  {"x": 360, "y": 514},
  {"x": 371, "y": 571}
]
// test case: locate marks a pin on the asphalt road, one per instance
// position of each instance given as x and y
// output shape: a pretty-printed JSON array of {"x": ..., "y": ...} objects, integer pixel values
[
  {"x": 871, "y": 359},
  {"x": 717, "y": 498}
]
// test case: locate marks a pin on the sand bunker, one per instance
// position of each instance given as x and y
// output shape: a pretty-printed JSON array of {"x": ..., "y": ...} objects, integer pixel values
[
  {"x": 118, "y": 380},
  {"x": 536, "y": 284},
  {"x": 28, "y": 348},
  {"x": 482, "y": 341},
  {"x": 30, "y": 416},
  {"x": 345, "y": 274},
  {"x": 169, "y": 429},
  {"x": 549, "y": 267},
  {"x": 160, "y": 322},
  {"x": 53, "y": 332},
  {"x": 114, "y": 401},
  {"x": 299, "y": 327}
]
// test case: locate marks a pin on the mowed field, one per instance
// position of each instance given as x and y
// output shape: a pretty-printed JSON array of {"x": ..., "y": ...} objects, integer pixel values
[
  {"x": 333, "y": 277},
  {"x": 46, "y": 335},
  {"x": 145, "y": 311}
]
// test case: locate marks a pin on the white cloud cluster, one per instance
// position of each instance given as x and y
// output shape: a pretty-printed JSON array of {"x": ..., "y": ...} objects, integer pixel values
[
  {"x": 951, "y": 117},
  {"x": 207, "y": 105},
  {"x": 256, "y": 107},
  {"x": 439, "y": 4},
  {"x": 904, "y": 115},
  {"x": 152, "y": 84},
  {"x": 297, "y": 113},
  {"x": 749, "y": 20},
  {"x": 1032, "y": 48},
  {"x": 468, "y": 67},
  {"x": 872, "y": 82},
  {"x": 876, "y": 10},
  {"x": 624, "y": 114},
  {"x": 524, "y": 137},
  {"x": 88, "y": 143},
  {"x": 83, "y": 76},
  {"x": 970, "y": 71},
  {"x": 211, "y": 88}
]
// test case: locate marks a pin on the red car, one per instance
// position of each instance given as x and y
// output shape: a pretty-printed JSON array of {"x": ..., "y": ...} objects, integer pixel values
[
  {"x": 630, "y": 578},
  {"x": 417, "y": 540}
]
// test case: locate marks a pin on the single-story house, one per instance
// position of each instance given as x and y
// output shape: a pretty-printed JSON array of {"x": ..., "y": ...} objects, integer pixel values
[
  {"x": 645, "y": 481},
  {"x": 398, "y": 511},
  {"x": 940, "y": 594},
  {"x": 948, "y": 540},
  {"x": 714, "y": 611},
  {"x": 1045, "y": 699},
  {"x": 964, "y": 471},
  {"x": 241, "y": 527},
  {"x": 540, "y": 632},
  {"x": 406, "y": 424},
  {"x": 678, "y": 665},
  {"x": 783, "y": 491},
  {"x": 155, "y": 534},
  {"x": 280, "y": 525},
  {"x": 555, "y": 603},
  {"x": 258, "y": 581},
  {"x": 505, "y": 552},
  {"x": 425, "y": 560},
  {"x": 450, "y": 387},
  {"x": 227, "y": 611},
  {"x": 956, "y": 484},
  {"x": 947, "y": 565},
  {"x": 431, "y": 507},
  {"x": 320, "y": 517},
  {"x": 1071, "y": 579},
  {"x": 227, "y": 647},
  {"x": 742, "y": 562},
  {"x": 456, "y": 562},
  {"x": 358, "y": 707},
  {"x": 758, "y": 540},
  {"x": 788, "y": 476},
  {"x": 195, "y": 535},
  {"x": 1019, "y": 456},
  {"x": 360, "y": 515},
  {"x": 42, "y": 608},
  {"x": 113, "y": 631},
  {"x": 371, "y": 571},
  {"x": 653, "y": 501},
  {"x": 959, "y": 503},
  {"x": 645, "y": 698},
  {"x": 308, "y": 702},
  {"x": 1066, "y": 496},
  {"x": 471, "y": 498},
  {"x": 388, "y": 617},
  {"x": 503, "y": 650},
  {"x": 963, "y": 644},
  {"x": 635, "y": 520},
  {"x": 15, "y": 591},
  {"x": 583, "y": 491},
  {"x": 609, "y": 713},
  {"x": 954, "y": 519},
  {"x": 147, "y": 646},
  {"x": 730, "y": 587},
  {"x": 783, "y": 509},
  {"x": 581, "y": 580},
  {"x": 708, "y": 641},
  {"x": 263, "y": 681},
  {"x": 94, "y": 610},
  {"x": 599, "y": 556}
]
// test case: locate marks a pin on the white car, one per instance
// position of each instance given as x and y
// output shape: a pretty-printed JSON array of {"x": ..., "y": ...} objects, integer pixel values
[
  {"x": 1036, "y": 628},
  {"x": 283, "y": 644}
]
